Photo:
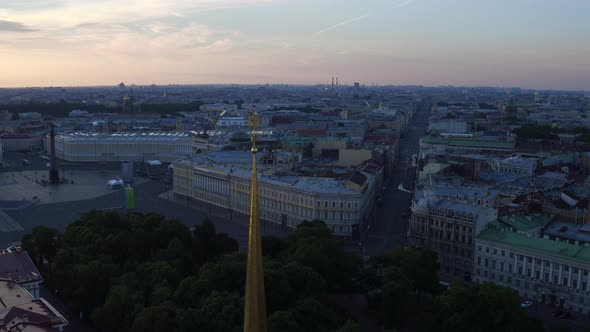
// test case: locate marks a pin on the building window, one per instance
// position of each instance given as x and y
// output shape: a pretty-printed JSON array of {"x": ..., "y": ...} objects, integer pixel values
[{"x": 503, "y": 253}]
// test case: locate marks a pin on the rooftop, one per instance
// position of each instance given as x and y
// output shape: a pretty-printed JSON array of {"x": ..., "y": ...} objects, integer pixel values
[
  {"x": 569, "y": 231},
  {"x": 543, "y": 247},
  {"x": 137, "y": 136},
  {"x": 475, "y": 142},
  {"x": 18, "y": 308},
  {"x": 526, "y": 222},
  {"x": 17, "y": 266},
  {"x": 237, "y": 163}
]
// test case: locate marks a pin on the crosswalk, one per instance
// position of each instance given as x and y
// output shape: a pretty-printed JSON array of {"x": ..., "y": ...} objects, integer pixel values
[{"x": 7, "y": 224}]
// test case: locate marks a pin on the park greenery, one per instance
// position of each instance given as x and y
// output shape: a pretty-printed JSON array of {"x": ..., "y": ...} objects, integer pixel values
[
  {"x": 142, "y": 272},
  {"x": 532, "y": 131}
]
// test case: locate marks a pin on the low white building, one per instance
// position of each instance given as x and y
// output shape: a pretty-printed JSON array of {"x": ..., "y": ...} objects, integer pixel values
[
  {"x": 447, "y": 126},
  {"x": 554, "y": 272},
  {"x": 231, "y": 121},
  {"x": 134, "y": 146},
  {"x": 516, "y": 165},
  {"x": 223, "y": 179},
  {"x": 11, "y": 142}
]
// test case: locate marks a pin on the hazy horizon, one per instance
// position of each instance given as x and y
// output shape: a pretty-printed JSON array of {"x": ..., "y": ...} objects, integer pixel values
[{"x": 523, "y": 43}]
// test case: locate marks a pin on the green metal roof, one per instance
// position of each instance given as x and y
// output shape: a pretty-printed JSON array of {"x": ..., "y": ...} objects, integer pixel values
[
  {"x": 522, "y": 223},
  {"x": 543, "y": 247},
  {"x": 475, "y": 142}
]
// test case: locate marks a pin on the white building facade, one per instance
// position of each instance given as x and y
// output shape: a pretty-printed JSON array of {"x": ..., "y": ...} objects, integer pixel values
[
  {"x": 133, "y": 146},
  {"x": 285, "y": 200},
  {"x": 543, "y": 270}
]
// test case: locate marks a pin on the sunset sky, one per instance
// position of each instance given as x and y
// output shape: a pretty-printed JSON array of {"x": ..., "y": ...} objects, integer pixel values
[{"x": 528, "y": 43}]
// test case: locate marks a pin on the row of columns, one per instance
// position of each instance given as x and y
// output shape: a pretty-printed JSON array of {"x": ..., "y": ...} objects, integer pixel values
[{"x": 559, "y": 275}]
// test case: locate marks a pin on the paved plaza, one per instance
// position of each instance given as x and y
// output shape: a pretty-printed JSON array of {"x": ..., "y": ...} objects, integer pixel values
[
  {"x": 150, "y": 196},
  {"x": 78, "y": 185}
]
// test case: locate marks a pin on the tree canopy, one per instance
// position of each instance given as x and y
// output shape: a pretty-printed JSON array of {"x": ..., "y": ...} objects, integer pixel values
[
  {"x": 531, "y": 131},
  {"x": 143, "y": 272}
]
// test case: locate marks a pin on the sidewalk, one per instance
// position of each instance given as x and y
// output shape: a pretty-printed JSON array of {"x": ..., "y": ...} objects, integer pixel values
[
  {"x": 75, "y": 323},
  {"x": 222, "y": 215}
]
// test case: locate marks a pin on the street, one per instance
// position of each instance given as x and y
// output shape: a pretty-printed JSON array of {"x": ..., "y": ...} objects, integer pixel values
[{"x": 389, "y": 229}]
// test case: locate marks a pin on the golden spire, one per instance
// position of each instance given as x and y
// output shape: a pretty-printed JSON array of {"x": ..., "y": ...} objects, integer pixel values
[{"x": 254, "y": 304}]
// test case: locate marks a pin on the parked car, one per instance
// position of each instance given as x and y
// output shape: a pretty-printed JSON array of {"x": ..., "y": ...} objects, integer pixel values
[{"x": 526, "y": 304}]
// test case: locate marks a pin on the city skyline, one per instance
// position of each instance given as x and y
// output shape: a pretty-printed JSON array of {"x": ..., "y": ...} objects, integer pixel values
[{"x": 532, "y": 44}]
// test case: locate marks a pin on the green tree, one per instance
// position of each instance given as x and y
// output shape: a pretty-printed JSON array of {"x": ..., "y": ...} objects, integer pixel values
[
  {"x": 221, "y": 312},
  {"x": 531, "y": 131},
  {"x": 486, "y": 307},
  {"x": 155, "y": 319},
  {"x": 118, "y": 310},
  {"x": 401, "y": 285},
  {"x": 312, "y": 245},
  {"x": 283, "y": 321},
  {"x": 42, "y": 245}
]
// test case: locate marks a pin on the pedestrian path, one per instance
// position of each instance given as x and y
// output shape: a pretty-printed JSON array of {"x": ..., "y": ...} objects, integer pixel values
[{"x": 7, "y": 224}]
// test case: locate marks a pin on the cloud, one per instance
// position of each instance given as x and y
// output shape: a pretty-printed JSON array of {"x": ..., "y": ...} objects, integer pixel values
[
  {"x": 73, "y": 12},
  {"x": 337, "y": 25},
  {"x": 402, "y": 3},
  {"x": 14, "y": 26}
]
